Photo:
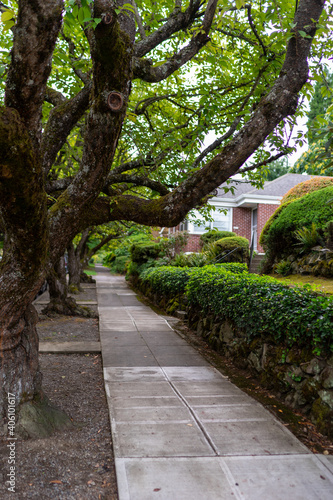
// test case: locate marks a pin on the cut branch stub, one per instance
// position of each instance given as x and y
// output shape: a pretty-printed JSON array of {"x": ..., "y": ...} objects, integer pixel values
[
  {"x": 115, "y": 101},
  {"x": 107, "y": 18}
]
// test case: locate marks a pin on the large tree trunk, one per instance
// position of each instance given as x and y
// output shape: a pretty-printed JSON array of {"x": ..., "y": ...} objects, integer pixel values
[
  {"x": 74, "y": 268},
  {"x": 60, "y": 301},
  {"x": 21, "y": 380}
]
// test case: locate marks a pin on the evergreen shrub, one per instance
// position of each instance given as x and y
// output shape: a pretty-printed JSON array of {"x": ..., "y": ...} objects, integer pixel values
[
  {"x": 259, "y": 305},
  {"x": 239, "y": 244},
  {"x": 278, "y": 236},
  {"x": 213, "y": 235}
]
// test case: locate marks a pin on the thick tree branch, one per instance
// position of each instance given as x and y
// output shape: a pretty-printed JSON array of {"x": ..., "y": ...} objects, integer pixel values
[
  {"x": 23, "y": 212},
  {"x": 54, "y": 96},
  {"x": 137, "y": 180},
  {"x": 61, "y": 121},
  {"x": 111, "y": 52},
  {"x": 38, "y": 25}
]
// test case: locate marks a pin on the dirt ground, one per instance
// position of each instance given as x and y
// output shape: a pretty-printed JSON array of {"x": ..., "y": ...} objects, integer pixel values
[{"x": 76, "y": 463}]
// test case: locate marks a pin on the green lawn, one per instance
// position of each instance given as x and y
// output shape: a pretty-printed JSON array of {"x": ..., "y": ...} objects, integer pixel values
[
  {"x": 318, "y": 283},
  {"x": 90, "y": 272}
]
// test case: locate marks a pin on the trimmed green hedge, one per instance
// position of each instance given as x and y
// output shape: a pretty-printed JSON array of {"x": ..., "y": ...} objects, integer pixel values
[
  {"x": 167, "y": 280},
  {"x": 260, "y": 306},
  {"x": 172, "y": 280}
]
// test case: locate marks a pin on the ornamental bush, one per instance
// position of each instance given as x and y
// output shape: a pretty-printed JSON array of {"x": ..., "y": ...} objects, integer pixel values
[
  {"x": 238, "y": 244},
  {"x": 306, "y": 187},
  {"x": 213, "y": 235},
  {"x": 278, "y": 236},
  {"x": 142, "y": 252}
]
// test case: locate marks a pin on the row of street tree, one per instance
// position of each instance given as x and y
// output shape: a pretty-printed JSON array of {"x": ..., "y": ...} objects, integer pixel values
[{"x": 105, "y": 109}]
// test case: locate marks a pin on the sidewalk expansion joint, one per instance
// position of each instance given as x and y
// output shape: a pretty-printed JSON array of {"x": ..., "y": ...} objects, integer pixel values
[{"x": 192, "y": 412}]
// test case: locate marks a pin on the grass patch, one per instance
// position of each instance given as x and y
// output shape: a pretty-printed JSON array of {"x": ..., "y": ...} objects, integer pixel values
[
  {"x": 317, "y": 283},
  {"x": 90, "y": 272}
]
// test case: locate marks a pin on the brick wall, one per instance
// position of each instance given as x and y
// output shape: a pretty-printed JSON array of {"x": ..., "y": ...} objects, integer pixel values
[
  {"x": 264, "y": 213},
  {"x": 242, "y": 220},
  {"x": 193, "y": 244}
]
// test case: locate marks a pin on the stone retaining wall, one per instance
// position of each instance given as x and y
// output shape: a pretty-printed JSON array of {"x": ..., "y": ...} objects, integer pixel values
[{"x": 301, "y": 379}]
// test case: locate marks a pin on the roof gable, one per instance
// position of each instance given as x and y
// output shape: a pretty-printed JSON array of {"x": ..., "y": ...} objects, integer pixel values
[{"x": 277, "y": 188}]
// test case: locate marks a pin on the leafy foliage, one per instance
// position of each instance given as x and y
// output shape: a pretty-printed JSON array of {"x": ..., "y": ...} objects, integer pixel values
[
  {"x": 276, "y": 169},
  {"x": 120, "y": 257},
  {"x": 238, "y": 245},
  {"x": 260, "y": 306},
  {"x": 142, "y": 252},
  {"x": 320, "y": 102},
  {"x": 283, "y": 267},
  {"x": 278, "y": 236},
  {"x": 306, "y": 187},
  {"x": 314, "y": 161},
  {"x": 214, "y": 235},
  {"x": 307, "y": 237}
]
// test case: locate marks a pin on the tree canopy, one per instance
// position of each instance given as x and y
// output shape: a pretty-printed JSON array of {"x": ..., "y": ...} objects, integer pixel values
[{"x": 106, "y": 107}]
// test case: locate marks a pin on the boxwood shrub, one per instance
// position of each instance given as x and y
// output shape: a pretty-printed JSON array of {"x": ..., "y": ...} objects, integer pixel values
[
  {"x": 239, "y": 244},
  {"x": 213, "y": 235}
]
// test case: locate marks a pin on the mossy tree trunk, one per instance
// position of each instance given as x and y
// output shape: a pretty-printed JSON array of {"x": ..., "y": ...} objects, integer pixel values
[
  {"x": 75, "y": 262},
  {"x": 74, "y": 268},
  {"x": 23, "y": 202}
]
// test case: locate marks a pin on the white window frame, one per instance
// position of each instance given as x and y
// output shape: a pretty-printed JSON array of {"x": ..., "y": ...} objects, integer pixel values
[{"x": 210, "y": 225}]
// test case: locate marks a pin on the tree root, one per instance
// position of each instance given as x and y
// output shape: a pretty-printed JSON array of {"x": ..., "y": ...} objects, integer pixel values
[
  {"x": 67, "y": 307},
  {"x": 39, "y": 419}
]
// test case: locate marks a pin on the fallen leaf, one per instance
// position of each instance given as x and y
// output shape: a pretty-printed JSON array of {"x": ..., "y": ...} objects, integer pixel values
[
  {"x": 55, "y": 481},
  {"x": 157, "y": 489}
]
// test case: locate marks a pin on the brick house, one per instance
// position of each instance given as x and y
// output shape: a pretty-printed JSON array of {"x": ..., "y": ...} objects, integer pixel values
[{"x": 248, "y": 209}]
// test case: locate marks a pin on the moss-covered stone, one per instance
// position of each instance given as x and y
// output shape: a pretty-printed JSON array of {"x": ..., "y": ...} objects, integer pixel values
[
  {"x": 39, "y": 419},
  {"x": 322, "y": 416}
]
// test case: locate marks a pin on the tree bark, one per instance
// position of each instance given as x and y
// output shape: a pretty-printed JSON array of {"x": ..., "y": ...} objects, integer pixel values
[
  {"x": 74, "y": 269},
  {"x": 60, "y": 301}
]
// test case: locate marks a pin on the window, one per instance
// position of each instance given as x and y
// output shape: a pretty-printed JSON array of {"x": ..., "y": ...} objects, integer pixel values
[{"x": 221, "y": 222}]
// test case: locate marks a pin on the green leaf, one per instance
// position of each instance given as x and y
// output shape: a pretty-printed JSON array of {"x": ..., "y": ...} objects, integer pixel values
[
  {"x": 8, "y": 25},
  {"x": 7, "y": 15}
]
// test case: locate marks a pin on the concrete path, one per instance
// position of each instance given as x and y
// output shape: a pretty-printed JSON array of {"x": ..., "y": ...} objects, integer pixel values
[{"x": 180, "y": 429}]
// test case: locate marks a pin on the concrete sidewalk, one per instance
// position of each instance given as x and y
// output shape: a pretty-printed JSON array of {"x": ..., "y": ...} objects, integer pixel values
[{"x": 180, "y": 429}]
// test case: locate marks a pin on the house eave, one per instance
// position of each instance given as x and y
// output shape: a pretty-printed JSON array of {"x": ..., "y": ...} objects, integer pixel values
[{"x": 246, "y": 201}]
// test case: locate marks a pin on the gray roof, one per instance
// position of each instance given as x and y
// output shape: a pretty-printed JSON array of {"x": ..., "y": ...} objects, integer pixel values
[{"x": 278, "y": 187}]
